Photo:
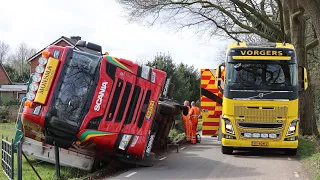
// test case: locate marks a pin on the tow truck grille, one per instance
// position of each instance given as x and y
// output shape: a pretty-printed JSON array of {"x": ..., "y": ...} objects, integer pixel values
[{"x": 260, "y": 125}]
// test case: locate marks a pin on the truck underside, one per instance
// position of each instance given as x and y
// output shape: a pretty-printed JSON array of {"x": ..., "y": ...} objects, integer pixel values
[{"x": 86, "y": 159}]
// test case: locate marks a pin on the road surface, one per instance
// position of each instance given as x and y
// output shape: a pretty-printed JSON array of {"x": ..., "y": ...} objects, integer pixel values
[{"x": 205, "y": 161}]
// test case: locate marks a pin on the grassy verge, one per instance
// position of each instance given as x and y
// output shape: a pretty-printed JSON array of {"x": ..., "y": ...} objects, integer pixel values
[
  {"x": 46, "y": 170},
  {"x": 309, "y": 152}
]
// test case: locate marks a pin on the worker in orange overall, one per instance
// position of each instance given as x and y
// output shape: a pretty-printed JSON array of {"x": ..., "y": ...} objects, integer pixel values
[
  {"x": 186, "y": 121},
  {"x": 194, "y": 116}
]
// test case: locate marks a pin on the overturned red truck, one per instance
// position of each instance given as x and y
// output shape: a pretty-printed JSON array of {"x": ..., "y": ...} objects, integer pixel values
[{"x": 93, "y": 105}]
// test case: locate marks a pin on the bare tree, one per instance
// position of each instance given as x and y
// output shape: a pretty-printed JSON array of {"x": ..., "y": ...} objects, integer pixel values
[
  {"x": 18, "y": 61},
  {"x": 4, "y": 50},
  {"x": 271, "y": 20}
]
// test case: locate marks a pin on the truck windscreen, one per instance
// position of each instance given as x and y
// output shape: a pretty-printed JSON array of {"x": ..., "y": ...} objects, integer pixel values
[
  {"x": 264, "y": 75},
  {"x": 76, "y": 86}
]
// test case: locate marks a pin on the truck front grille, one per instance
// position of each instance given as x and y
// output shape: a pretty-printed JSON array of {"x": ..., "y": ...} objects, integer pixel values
[{"x": 260, "y": 125}]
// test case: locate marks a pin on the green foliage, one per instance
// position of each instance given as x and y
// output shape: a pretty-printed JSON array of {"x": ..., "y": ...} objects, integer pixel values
[
  {"x": 4, "y": 112},
  {"x": 309, "y": 152},
  {"x": 186, "y": 79},
  {"x": 14, "y": 75}
]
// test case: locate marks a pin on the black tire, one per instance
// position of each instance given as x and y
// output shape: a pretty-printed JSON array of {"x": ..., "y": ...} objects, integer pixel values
[
  {"x": 226, "y": 150},
  {"x": 198, "y": 138},
  {"x": 290, "y": 152},
  {"x": 166, "y": 109}
]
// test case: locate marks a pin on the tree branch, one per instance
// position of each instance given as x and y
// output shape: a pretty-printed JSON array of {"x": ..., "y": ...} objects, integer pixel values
[
  {"x": 281, "y": 19},
  {"x": 312, "y": 44},
  {"x": 266, "y": 21}
]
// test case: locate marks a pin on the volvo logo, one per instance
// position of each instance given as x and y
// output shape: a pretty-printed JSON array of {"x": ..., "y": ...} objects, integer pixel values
[{"x": 260, "y": 95}]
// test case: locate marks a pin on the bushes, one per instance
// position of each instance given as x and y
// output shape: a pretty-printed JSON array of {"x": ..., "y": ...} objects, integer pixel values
[{"x": 9, "y": 113}]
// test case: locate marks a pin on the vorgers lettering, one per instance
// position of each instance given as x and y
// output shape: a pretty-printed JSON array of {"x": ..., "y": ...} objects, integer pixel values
[{"x": 100, "y": 96}]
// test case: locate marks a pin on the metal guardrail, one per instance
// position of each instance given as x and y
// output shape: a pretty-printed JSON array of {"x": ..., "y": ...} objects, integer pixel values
[{"x": 7, "y": 157}]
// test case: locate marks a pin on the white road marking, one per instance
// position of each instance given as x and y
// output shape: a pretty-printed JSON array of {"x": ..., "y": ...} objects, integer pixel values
[
  {"x": 182, "y": 148},
  {"x": 162, "y": 158},
  {"x": 289, "y": 159},
  {"x": 296, "y": 174},
  {"x": 131, "y": 174}
]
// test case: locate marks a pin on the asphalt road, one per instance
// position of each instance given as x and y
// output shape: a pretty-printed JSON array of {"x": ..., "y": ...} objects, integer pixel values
[{"x": 205, "y": 161}]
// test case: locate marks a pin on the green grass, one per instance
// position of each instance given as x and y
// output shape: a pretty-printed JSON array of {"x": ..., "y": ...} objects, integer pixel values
[
  {"x": 309, "y": 152},
  {"x": 46, "y": 170}
]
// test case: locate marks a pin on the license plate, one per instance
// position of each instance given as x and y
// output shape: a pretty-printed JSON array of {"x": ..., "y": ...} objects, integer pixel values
[
  {"x": 259, "y": 143},
  {"x": 46, "y": 80}
]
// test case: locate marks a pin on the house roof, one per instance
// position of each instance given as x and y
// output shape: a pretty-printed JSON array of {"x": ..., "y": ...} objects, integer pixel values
[
  {"x": 69, "y": 41},
  {"x": 5, "y": 72}
]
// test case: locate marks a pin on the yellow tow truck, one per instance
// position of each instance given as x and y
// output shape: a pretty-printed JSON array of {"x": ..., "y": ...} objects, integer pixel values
[{"x": 251, "y": 100}]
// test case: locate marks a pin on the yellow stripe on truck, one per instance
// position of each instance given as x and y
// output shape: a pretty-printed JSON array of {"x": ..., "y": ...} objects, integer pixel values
[
  {"x": 46, "y": 80},
  {"x": 287, "y": 58}
]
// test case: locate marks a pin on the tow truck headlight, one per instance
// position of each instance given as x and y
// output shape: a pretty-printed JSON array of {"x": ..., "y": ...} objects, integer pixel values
[
  {"x": 36, "y": 77},
  {"x": 30, "y": 96},
  {"x": 264, "y": 135},
  {"x": 40, "y": 69},
  {"x": 33, "y": 86},
  {"x": 247, "y": 135},
  {"x": 43, "y": 61},
  {"x": 124, "y": 141},
  {"x": 256, "y": 135},
  {"x": 228, "y": 126},
  {"x": 292, "y": 128},
  {"x": 272, "y": 136}
]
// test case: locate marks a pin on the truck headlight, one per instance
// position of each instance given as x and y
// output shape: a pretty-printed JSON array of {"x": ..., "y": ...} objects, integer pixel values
[
  {"x": 124, "y": 141},
  {"x": 228, "y": 126},
  {"x": 292, "y": 128},
  {"x": 31, "y": 95}
]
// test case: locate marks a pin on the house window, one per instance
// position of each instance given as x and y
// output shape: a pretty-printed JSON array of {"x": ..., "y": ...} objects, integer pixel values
[{"x": 21, "y": 96}]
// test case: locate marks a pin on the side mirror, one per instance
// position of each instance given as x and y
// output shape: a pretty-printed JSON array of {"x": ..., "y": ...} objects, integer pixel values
[
  {"x": 221, "y": 67},
  {"x": 303, "y": 78}
]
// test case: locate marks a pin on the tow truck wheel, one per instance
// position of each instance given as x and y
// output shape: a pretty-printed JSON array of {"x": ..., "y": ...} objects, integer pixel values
[
  {"x": 198, "y": 138},
  {"x": 290, "y": 152},
  {"x": 226, "y": 150}
]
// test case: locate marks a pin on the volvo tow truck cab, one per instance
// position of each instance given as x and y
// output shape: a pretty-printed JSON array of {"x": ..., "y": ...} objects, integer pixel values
[
  {"x": 251, "y": 100},
  {"x": 90, "y": 105}
]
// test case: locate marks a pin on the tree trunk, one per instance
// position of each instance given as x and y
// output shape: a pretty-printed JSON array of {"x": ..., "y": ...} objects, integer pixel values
[
  {"x": 312, "y": 7},
  {"x": 306, "y": 107}
]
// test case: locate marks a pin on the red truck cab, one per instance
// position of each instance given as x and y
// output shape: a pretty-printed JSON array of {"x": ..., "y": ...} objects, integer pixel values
[{"x": 92, "y": 101}]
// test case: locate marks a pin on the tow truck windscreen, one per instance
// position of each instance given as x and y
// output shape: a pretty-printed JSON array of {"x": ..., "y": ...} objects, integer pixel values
[
  {"x": 261, "y": 75},
  {"x": 69, "y": 107}
]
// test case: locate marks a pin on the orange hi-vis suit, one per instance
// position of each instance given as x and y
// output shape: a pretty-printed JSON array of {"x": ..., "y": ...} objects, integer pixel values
[
  {"x": 187, "y": 124},
  {"x": 194, "y": 116}
]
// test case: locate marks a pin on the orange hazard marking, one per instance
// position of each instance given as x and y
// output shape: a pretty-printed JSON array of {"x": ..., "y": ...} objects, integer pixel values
[{"x": 211, "y": 111}]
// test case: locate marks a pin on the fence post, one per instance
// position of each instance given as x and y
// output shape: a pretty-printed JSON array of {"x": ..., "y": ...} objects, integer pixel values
[{"x": 19, "y": 156}]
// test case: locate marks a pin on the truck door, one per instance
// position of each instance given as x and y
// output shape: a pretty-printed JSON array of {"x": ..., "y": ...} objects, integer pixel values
[{"x": 210, "y": 102}]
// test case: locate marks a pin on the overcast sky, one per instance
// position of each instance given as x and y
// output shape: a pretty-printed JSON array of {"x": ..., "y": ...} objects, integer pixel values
[{"x": 40, "y": 22}]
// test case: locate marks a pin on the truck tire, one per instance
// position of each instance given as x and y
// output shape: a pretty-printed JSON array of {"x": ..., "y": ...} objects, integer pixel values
[
  {"x": 198, "y": 138},
  {"x": 226, "y": 150},
  {"x": 166, "y": 109},
  {"x": 290, "y": 152}
]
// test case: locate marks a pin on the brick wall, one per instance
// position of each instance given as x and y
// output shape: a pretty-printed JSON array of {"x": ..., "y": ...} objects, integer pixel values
[{"x": 3, "y": 76}]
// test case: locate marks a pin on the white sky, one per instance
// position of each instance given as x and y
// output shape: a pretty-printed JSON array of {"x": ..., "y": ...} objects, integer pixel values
[{"x": 40, "y": 22}]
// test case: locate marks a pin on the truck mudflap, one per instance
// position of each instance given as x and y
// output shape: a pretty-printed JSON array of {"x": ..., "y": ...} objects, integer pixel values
[
  {"x": 210, "y": 102},
  {"x": 69, "y": 157}
]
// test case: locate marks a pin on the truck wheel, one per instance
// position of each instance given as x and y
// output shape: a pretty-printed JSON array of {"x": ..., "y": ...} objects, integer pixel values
[
  {"x": 226, "y": 150},
  {"x": 219, "y": 134},
  {"x": 166, "y": 109},
  {"x": 290, "y": 152},
  {"x": 198, "y": 138}
]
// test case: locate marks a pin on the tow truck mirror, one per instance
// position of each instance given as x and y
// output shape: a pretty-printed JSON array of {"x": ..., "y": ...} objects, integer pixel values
[
  {"x": 303, "y": 78},
  {"x": 221, "y": 67}
]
